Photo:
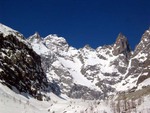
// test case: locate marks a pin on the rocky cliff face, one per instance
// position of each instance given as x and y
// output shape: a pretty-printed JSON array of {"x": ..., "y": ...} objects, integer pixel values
[
  {"x": 121, "y": 46},
  {"x": 20, "y": 66}
]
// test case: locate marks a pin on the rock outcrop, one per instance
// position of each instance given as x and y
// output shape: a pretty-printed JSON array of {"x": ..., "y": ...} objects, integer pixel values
[
  {"x": 121, "y": 46},
  {"x": 20, "y": 66}
]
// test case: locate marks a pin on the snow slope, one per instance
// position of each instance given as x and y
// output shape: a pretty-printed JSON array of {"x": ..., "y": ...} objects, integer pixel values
[{"x": 11, "y": 102}]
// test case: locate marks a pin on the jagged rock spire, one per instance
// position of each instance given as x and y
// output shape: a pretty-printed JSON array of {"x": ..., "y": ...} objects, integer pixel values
[{"x": 121, "y": 46}]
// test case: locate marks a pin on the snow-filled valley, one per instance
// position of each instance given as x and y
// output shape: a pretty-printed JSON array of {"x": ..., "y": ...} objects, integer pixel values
[{"x": 12, "y": 102}]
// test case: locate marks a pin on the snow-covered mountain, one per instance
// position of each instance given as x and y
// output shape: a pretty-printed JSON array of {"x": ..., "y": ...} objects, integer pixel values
[
  {"x": 20, "y": 66},
  {"x": 42, "y": 68},
  {"x": 94, "y": 73},
  {"x": 138, "y": 71}
]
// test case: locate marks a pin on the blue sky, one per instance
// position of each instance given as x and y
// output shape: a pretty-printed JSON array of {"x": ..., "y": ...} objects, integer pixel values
[{"x": 81, "y": 22}]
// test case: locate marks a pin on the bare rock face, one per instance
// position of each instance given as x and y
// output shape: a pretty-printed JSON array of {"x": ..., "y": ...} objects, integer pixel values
[
  {"x": 20, "y": 66},
  {"x": 78, "y": 92},
  {"x": 121, "y": 46}
]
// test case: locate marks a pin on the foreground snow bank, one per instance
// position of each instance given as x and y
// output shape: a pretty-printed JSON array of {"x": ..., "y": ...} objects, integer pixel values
[{"x": 11, "y": 102}]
